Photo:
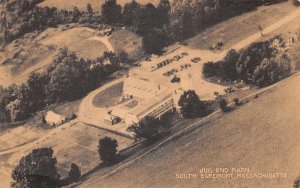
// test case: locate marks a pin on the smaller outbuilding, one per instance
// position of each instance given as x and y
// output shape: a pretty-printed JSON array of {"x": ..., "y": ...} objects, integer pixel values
[{"x": 54, "y": 119}]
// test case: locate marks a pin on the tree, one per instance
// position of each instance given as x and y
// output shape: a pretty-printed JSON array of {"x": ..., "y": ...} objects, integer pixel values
[
  {"x": 163, "y": 10},
  {"x": 154, "y": 42},
  {"x": 270, "y": 71},
  {"x": 148, "y": 128},
  {"x": 66, "y": 77},
  {"x": 210, "y": 69},
  {"x": 191, "y": 105},
  {"x": 111, "y": 11},
  {"x": 37, "y": 169},
  {"x": 228, "y": 65},
  {"x": 107, "y": 150},
  {"x": 251, "y": 57},
  {"x": 36, "y": 87},
  {"x": 76, "y": 14},
  {"x": 89, "y": 9},
  {"x": 223, "y": 105},
  {"x": 148, "y": 19},
  {"x": 74, "y": 172},
  {"x": 131, "y": 13}
]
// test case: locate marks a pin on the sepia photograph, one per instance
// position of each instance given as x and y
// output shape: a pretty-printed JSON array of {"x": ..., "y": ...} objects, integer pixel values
[{"x": 149, "y": 93}]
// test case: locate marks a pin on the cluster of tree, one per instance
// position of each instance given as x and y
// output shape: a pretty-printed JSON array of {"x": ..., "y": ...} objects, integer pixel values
[
  {"x": 23, "y": 16},
  {"x": 158, "y": 25},
  {"x": 260, "y": 64},
  {"x": 191, "y": 105},
  {"x": 67, "y": 78},
  {"x": 38, "y": 169}
]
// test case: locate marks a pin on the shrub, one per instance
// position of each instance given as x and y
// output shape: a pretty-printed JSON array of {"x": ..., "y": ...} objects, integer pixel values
[
  {"x": 107, "y": 150},
  {"x": 223, "y": 105},
  {"x": 236, "y": 101},
  {"x": 74, "y": 172},
  {"x": 297, "y": 183}
]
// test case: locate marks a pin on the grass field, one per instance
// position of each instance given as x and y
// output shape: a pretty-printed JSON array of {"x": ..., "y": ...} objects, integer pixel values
[
  {"x": 129, "y": 42},
  {"x": 81, "y": 4},
  {"x": 235, "y": 29},
  {"x": 263, "y": 136},
  {"x": 109, "y": 97}
]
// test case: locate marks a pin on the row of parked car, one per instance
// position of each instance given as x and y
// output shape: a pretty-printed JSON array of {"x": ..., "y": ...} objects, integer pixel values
[
  {"x": 168, "y": 61},
  {"x": 175, "y": 70}
]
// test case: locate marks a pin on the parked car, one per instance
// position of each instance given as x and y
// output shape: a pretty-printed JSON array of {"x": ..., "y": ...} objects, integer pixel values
[
  {"x": 147, "y": 59},
  {"x": 176, "y": 57},
  {"x": 196, "y": 59},
  {"x": 184, "y": 54}
]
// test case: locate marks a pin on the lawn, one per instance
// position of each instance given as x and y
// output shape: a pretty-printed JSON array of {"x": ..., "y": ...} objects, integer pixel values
[
  {"x": 109, "y": 97},
  {"x": 128, "y": 41}
]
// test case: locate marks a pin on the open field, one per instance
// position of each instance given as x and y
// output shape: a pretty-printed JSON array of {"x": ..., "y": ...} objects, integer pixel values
[
  {"x": 75, "y": 144},
  {"x": 81, "y": 4},
  {"x": 237, "y": 28},
  {"x": 261, "y": 136}
]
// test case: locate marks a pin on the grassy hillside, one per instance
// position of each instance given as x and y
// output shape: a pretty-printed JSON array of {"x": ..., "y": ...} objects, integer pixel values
[
  {"x": 81, "y": 4},
  {"x": 235, "y": 29},
  {"x": 35, "y": 51},
  {"x": 129, "y": 42},
  {"x": 263, "y": 136}
]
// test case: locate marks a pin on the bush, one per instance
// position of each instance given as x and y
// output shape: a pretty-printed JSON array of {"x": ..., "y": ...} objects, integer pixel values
[
  {"x": 74, "y": 172},
  {"x": 107, "y": 150},
  {"x": 223, "y": 105},
  {"x": 236, "y": 101},
  {"x": 297, "y": 183}
]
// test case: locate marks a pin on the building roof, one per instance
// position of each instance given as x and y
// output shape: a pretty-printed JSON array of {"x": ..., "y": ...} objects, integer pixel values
[
  {"x": 52, "y": 117},
  {"x": 119, "y": 112},
  {"x": 147, "y": 106}
]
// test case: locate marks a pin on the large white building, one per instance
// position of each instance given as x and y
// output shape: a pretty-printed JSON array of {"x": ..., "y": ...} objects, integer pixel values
[{"x": 147, "y": 98}]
